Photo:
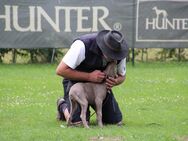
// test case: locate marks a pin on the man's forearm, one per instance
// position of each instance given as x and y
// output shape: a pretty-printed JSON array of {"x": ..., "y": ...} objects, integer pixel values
[
  {"x": 67, "y": 72},
  {"x": 75, "y": 75}
]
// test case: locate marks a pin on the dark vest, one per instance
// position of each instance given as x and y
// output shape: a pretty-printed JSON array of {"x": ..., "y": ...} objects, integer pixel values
[{"x": 93, "y": 55}]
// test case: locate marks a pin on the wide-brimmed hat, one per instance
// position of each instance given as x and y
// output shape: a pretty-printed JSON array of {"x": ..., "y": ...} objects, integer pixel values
[{"x": 112, "y": 44}]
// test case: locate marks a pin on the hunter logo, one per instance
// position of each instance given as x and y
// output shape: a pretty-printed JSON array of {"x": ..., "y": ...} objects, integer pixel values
[
  {"x": 160, "y": 23},
  {"x": 37, "y": 13},
  {"x": 56, "y": 23},
  {"x": 159, "y": 12}
]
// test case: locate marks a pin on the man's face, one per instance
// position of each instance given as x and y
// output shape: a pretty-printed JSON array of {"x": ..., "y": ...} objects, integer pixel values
[{"x": 107, "y": 58}]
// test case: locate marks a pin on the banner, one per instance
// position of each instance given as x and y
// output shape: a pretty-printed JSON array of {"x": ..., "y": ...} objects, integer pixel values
[
  {"x": 56, "y": 23},
  {"x": 161, "y": 23}
]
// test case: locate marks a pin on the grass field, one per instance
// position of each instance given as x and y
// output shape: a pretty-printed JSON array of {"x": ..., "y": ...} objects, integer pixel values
[{"x": 154, "y": 102}]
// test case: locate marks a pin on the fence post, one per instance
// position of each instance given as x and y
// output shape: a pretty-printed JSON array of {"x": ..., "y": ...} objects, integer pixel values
[
  {"x": 14, "y": 54},
  {"x": 133, "y": 56},
  {"x": 53, "y": 54},
  {"x": 133, "y": 33},
  {"x": 179, "y": 56}
]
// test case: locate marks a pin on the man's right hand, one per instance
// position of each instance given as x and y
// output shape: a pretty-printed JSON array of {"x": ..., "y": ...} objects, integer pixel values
[{"x": 96, "y": 76}]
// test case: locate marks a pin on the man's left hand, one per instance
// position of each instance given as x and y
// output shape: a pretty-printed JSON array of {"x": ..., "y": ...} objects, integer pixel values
[{"x": 110, "y": 82}]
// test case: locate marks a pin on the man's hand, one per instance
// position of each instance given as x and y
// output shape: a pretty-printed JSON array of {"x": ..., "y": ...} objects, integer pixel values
[
  {"x": 96, "y": 76},
  {"x": 111, "y": 82}
]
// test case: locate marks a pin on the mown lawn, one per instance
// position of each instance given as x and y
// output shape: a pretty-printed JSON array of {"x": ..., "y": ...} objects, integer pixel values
[{"x": 154, "y": 102}]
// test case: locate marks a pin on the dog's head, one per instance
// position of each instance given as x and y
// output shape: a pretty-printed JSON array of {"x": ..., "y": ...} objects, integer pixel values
[{"x": 111, "y": 69}]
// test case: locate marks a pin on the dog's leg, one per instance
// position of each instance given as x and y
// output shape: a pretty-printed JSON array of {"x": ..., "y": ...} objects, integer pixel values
[
  {"x": 83, "y": 113},
  {"x": 84, "y": 104},
  {"x": 99, "y": 112}
]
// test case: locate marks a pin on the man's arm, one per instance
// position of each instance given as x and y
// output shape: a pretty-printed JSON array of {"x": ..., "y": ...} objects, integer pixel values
[
  {"x": 67, "y": 72},
  {"x": 71, "y": 60}
]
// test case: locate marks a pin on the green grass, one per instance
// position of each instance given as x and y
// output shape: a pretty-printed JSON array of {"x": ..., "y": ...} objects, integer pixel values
[{"x": 154, "y": 102}]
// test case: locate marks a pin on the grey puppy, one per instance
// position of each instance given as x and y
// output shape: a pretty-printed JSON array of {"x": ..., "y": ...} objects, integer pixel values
[{"x": 90, "y": 93}]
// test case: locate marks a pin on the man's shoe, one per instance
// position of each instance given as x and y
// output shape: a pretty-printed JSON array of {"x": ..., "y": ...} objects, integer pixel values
[
  {"x": 60, "y": 115},
  {"x": 120, "y": 123}
]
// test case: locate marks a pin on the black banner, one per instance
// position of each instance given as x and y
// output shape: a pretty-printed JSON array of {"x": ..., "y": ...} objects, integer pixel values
[{"x": 55, "y": 23}]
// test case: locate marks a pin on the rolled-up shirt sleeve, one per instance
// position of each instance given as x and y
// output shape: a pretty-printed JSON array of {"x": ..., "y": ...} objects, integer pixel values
[
  {"x": 121, "y": 68},
  {"x": 75, "y": 55}
]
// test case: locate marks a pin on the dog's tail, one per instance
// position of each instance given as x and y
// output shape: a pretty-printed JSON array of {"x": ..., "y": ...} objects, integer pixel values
[{"x": 70, "y": 118}]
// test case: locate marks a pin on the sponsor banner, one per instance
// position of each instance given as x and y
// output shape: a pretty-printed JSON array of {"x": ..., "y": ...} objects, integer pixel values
[
  {"x": 161, "y": 23},
  {"x": 56, "y": 23}
]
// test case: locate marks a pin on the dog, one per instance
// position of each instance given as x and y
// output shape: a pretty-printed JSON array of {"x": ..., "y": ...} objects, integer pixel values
[
  {"x": 90, "y": 93},
  {"x": 160, "y": 12}
]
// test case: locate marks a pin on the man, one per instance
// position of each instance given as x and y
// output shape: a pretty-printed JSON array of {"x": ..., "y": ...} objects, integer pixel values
[{"x": 85, "y": 62}]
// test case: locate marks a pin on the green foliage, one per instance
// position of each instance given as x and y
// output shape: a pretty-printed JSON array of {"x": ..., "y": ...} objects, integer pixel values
[
  {"x": 35, "y": 55},
  {"x": 153, "y": 101},
  {"x": 49, "y": 55},
  {"x": 41, "y": 55},
  {"x": 3, "y": 52},
  {"x": 173, "y": 53}
]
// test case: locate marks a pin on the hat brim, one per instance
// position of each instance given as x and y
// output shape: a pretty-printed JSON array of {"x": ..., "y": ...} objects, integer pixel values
[{"x": 115, "y": 55}]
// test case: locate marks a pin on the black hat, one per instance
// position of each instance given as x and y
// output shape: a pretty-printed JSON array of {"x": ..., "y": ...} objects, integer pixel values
[{"x": 112, "y": 44}]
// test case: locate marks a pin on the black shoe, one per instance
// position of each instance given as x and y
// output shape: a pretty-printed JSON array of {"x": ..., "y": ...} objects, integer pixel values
[
  {"x": 120, "y": 123},
  {"x": 60, "y": 115}
]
